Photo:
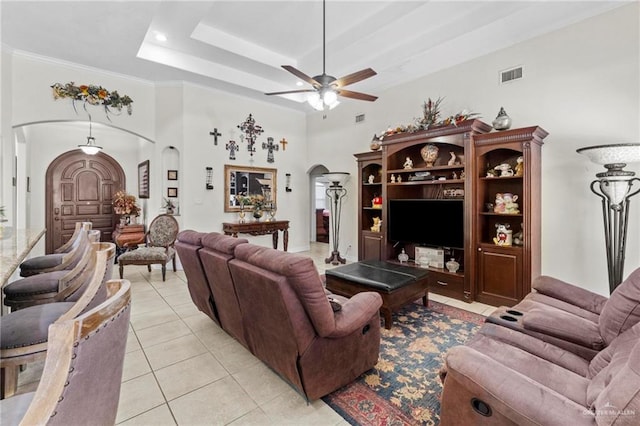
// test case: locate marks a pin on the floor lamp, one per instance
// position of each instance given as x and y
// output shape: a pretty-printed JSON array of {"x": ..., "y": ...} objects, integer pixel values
[
  {"x": 614, "y": 187},
  {"x": 336, "y": 193}
]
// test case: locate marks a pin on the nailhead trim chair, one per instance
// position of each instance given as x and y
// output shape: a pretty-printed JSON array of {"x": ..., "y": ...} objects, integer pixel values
[
  {"x": 23, "y": 334},
  {"x": 159, "y": 249},
  {"x": 80, "y": 383}
]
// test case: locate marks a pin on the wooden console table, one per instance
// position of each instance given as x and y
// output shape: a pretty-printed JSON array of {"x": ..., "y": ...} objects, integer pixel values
[{"x": 260, "y": 228}]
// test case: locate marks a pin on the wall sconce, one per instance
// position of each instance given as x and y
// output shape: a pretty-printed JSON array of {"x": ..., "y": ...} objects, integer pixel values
[
  {"x": 614, "y": 187},
  {"x": 287, "y": 186},
  {"x": 209, "y": 179}
]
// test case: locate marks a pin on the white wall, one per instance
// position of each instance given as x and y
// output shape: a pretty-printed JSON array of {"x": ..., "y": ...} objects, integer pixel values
[
  {"x": 206, "y": 109},
  {"x": 580, "y": 84}
]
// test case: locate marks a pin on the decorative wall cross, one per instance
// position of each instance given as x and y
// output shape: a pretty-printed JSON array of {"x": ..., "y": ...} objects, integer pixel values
[
  {"x": 271, "y": 147},
  {"x": 215, "y": 135},
  {"x": 251, "y": 131},
  {"x": 232, "y": 147},
  {"x": 284, "y": 143}
]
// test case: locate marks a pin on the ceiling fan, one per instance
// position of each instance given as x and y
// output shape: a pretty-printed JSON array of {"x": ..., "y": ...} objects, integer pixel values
[{"x": 327, "y": 88}]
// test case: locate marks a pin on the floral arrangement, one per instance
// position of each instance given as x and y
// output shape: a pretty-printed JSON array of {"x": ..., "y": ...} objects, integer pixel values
[
  {"x": 125, "y": 204},
  {"x": 430, "y": 120},
  {"x": 256, "y": 201},
  {"x": 93, "y": 95}
]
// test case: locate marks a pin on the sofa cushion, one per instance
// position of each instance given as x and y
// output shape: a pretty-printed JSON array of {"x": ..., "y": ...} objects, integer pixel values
[
  {"x": 622, "y": 311},
  {"x": 191, "y": 237},
  {"x": 30, "y": 326},
  {"x": 35, "y": 284},
  {"x": 222, "y": 243}
]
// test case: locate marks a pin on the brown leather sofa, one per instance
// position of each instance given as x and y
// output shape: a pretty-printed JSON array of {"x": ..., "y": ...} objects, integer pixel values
[
  {"x": 567, "y": 357},
  {"x": 274, "y": 303}
]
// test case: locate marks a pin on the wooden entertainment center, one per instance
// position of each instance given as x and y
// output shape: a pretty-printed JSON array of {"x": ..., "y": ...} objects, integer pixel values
[{"x": 490, "y": 272}]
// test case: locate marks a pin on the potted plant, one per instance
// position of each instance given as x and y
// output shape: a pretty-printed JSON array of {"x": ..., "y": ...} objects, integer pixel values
[
  {"x": 168, "y": 205},
  {"x": 125, "y": 205}
]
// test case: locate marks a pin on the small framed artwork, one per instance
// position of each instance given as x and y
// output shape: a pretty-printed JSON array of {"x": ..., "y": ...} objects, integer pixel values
[
  {"x": 172, "y": 174},
  {"x": 143, "y": 179},
  {"x": 172, "y": 192}
]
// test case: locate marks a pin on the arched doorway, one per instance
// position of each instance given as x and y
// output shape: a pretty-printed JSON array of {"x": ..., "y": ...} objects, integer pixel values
[
  {"x": 319, "y": 207},
  {"x": 80, "y": 187}
]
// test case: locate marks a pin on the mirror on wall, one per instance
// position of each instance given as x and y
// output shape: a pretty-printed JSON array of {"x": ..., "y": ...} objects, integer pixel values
[{"x": 246, "y": 181}]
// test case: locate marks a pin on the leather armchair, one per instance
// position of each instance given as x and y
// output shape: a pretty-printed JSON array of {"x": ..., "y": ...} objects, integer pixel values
[{"x": 573, "y": 318}]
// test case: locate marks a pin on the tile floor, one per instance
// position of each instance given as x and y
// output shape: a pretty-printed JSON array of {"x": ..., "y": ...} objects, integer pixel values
[{"x": 181, "y": 368}]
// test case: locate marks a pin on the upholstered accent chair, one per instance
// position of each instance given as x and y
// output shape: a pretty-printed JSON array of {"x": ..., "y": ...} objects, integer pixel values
[
  {"x": 23, "y": 334},
  {"x": 59, "y": 261},
  {"x": 49, "y": 287},
  {"x": 80, "y": 383},
  {"x": 573, "y": 318},
  {"x": 188, "y": 246},
  {"x": 159, "y": 248}
]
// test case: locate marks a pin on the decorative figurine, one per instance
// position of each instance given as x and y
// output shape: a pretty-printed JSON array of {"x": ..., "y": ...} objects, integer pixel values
[
  {"x": 502, "y": 121},
  {"x": 371, "y": 178},
  {"x": 498, "y": 206},
  {"x": 375, "y": 143},
  {"x": 452, "y": 160},
  {"x": 490, "y": 171},
  {"x": 503, "y": 235},
  {"x": 408, "y": 164},
  {"x": 376, "y": 203},
  {"x": 510, "y": 205},
  {"x": 519, "y": 166},
  {"x": 376, "y": 224},
  {"x": 399, "y": 178},
  {"x": 518, "y": 237},
  {"x": 454, "y": 175},
  {"x": 393, "y": 178},
  {"x": 429, "y": 154},
  {"x": 504, "y": 169},
  {"x": 403, "y": 257},
  {"x": 452, "y": 265}
]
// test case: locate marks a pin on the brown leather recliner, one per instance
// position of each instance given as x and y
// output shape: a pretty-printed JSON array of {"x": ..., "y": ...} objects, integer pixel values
[
  {"x": 573, "y": 318},
  {"x": 188, "y": 246},
  {"x": 290, "y": 324}
]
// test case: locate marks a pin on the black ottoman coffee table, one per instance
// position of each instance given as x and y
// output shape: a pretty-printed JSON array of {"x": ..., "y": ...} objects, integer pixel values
[{"x": 397, "y": 284}]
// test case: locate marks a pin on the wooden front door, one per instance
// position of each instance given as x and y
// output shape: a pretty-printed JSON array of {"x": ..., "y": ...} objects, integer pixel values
[{"x": 80, "y": 187}]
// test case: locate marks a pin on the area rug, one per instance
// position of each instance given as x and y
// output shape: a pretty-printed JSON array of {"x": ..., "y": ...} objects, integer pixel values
[{"x": 404, "y": 387}]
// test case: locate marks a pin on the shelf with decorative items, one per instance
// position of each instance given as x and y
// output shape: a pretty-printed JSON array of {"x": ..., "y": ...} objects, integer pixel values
[
  {"x": 371, "y": 202},
  {"x": 507, "y": 214}
]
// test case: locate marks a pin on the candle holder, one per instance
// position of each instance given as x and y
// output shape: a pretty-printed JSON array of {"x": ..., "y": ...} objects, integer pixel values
[{"x": 336, "y": 192}]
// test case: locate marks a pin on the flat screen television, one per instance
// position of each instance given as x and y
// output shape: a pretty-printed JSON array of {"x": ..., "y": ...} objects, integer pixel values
[{"x": 437, "y": 223}]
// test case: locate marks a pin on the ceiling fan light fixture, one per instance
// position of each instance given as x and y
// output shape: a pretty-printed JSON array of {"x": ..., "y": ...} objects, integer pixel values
[
  {"x": 315, "y": 101},
  {"x": 329, "y": 97}
]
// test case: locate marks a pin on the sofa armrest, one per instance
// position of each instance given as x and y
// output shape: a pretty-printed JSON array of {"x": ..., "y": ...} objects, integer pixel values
[
  {"x": 569, "y": 293},
  {"x": 564, "y": 326},
  {"x": 509, "y": 393},
  {"x": 355, "y": 313}
]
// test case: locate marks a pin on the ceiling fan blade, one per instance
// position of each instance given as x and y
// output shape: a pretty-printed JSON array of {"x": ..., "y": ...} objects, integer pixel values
[
  {"x": 354, "y": 78},
  {"x": 301, "y": 75},
  {"x": 291, "y": 91},
  {"x": 356, "y": 95}
]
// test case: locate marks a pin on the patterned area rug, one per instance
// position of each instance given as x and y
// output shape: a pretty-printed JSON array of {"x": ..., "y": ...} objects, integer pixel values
[{"x": 404, "y": 387}]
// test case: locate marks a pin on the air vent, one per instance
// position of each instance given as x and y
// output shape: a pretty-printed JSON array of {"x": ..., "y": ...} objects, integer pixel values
[
  {"x": 359, "y": 118},
  {"x": 511, "y": 75}
]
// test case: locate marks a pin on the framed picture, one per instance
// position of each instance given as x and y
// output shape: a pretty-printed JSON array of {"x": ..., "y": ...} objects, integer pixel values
[
  {"x": 172, "y": 192},
  {"x": 172, "y": 174},
  {"x": 143, "y": 179}
]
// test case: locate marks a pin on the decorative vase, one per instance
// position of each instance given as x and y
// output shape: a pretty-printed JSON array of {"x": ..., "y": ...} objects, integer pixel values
[
  {"x": 375, "y": 143},
  {"x": 123, "y": 220},
  {"x": 241, "y": 215},
  {"x": 257, "y": 214},
  {"x": 502, "y": 121},
  {"x": 429, "y": 154},
  {"x": 452, "y": 265},
  {"x": 403, "y": 257}
]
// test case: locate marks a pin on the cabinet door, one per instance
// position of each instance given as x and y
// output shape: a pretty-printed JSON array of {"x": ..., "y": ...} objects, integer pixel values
[
  {"x": 499, "y": 279},
  {"x": 371, "y": 246}
]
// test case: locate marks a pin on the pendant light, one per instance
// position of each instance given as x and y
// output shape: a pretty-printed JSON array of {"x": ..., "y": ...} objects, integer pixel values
[{"x": 90, "y": 148}]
